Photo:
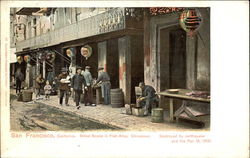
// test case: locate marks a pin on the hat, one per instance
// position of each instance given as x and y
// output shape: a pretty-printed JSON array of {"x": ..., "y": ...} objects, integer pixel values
[
  {"x": 87, "y": 67},
  {"x": 100, "y": 68},
  {"x": 64, "y": 70},
  {"x": 78, "y": 67}
]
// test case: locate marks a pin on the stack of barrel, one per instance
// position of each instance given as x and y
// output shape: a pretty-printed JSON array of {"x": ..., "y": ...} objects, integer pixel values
[{"x": 117, "y": 98}]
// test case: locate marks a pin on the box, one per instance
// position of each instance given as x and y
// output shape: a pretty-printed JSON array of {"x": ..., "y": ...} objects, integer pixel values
[{"x": 138, "y": 111}]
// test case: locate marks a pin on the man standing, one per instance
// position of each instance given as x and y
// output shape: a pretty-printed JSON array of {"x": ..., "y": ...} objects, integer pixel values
[
  {"x": 39, "y": 85},
  {"x": 147, "y": 98},
  {"x": 88, "y": 94},
  {"x": 77, "y": 84},
  {"x": 64, "y": 86},
  {"x": 104, "y": 78},
  {"x": 19, "y": 78}
]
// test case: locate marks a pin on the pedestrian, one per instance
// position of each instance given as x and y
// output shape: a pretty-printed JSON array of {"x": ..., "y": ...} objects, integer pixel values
[
  {"x": 88, "y": 93},
  {"x": 104, "y": 78},
  {"x": 64, "y": 88},
  {"x": 47, "y": 90},
  {"x": 148, "y": 97},
  {"x": 19, "y": 79},
  {"x": 77, "y": 84},
  {"x": 38, "y": 85}
]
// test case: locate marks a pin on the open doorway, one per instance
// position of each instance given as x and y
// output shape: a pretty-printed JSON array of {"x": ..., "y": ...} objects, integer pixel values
[{"x": 172, "y": 57}]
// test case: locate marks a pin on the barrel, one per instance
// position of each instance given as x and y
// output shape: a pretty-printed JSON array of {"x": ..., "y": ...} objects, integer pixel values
[
  {"x": 27, "y": 96},
  {"x": 116, "y": 98},
  {"x": 157, "y": 115}
]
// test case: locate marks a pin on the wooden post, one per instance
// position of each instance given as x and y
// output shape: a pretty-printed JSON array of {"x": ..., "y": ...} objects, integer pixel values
[
  {"x": 171, "y": 108},
  {"x": 44, "y": 69}
]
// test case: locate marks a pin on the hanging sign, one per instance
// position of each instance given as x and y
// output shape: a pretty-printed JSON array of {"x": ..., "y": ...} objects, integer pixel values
[
  {"x": 86, "y": 51},
  {"x": 190, "y": 20},
  {"x": 19, "y": 59},
  {"x": 26, "y": 58}
]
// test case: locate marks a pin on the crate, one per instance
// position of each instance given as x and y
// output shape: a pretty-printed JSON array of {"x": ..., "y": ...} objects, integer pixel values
[{"x": 138, "y": 111}]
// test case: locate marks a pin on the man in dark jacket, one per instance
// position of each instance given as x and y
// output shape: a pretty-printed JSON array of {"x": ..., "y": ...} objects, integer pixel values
[
  {"x": 147, "y": 98},
  {"x": 104, "y": 78},
  {"x": 77, "y": 84},
  {"x": 64, "y": 87},
  {"x": 19, "y": 78}
]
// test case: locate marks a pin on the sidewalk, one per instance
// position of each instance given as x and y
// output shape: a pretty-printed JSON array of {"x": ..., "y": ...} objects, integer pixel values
[{"x": 112, "y": 116}]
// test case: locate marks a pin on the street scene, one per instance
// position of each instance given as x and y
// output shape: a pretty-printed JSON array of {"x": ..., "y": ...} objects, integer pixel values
[{"x": 110, "y": 69}]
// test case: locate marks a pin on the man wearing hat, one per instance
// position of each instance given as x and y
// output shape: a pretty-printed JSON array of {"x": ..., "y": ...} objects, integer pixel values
[
  {"x": 64, "y": 86},
  {"x": 104, "y": 78},
  {"x": 88, "y": 94},
  {"x": 77, "y": 84}
]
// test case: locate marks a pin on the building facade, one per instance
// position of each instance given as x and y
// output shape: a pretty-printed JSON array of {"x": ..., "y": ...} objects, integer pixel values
[{"x": 132, "y": 44}]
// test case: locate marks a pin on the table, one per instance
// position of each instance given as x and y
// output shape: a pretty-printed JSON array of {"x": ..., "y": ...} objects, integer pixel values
[{"x": 180, "y": 95}]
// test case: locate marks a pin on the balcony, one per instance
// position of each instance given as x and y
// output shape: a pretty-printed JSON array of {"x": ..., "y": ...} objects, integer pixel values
[{"x": 112, "y": 20}]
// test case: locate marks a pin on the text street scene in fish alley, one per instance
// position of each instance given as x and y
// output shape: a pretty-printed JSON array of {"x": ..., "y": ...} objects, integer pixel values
[{"x": 110, "y": 69}]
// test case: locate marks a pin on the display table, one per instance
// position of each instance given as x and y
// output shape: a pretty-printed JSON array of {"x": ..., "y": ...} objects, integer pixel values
[{"x": 180, "y": 95}]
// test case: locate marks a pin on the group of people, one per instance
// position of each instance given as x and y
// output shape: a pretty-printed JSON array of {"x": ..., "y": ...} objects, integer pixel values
[{"x": 81, "y": 82}]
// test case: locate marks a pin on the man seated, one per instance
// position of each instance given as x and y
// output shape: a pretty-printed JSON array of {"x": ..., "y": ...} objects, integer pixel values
[{"x": 148, "y": 97}]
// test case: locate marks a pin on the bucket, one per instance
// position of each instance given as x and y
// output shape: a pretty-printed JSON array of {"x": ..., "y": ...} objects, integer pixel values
[
  {"x": 138, "y": 111},
  {"x": 157, "y": 115},
  {"x": 27, "y": 96},
  {"x": 20, "y": 96},
  {"x": 116, "y": 98}
]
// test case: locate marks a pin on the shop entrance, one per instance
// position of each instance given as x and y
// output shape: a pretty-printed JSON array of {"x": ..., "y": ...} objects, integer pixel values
[{"x": 172, "y": 58}]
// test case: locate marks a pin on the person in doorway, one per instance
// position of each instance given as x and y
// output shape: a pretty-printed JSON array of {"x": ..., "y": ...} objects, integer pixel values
[
  {"x": 147, "y": 98},
  {"x": 64, "y": 88},
  {"x": 77, "y": 84},
  {"x": 19, "y": 79},
  {"x": 38, "y": 85},
  {"x": 47, "y": 90},
  {"x": 104, "y": 78},
  {"x": 88, "y": 93}
]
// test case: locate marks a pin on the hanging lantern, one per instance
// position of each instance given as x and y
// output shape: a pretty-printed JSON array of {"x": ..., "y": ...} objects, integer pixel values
[
  {"x": 26, "y": 58},
  {"x": 190, "y": 20},
  {"x": 19, "y": 59},
  {"x": 70, "y": 52},
  {"x": 86, "y": 51},
  {"x": 50, "y": 56}
]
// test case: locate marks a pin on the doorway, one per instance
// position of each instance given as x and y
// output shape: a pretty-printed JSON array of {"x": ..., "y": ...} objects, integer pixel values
[{"x": 172, "y": 48}]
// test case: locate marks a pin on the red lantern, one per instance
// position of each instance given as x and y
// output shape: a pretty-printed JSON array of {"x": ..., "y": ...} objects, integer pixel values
[
  {"x": 26, "y": 58},
  {"x": 190, "y": 20}
]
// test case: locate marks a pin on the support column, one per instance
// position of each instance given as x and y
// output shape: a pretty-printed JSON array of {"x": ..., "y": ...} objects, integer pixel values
[
  {"x": 191, "y": 62},
  {"x": 73, "y": 62},
  {"x": 124, "y": 49},
  {"x": 44, "y": 69},
  {"x": 102, "y": 54},
  {"x": 37, "y": 66},
  {"x": 28, "y": 76}
]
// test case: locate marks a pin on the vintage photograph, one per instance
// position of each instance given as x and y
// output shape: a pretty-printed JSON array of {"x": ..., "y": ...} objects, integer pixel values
[{"x": 110, "y": 69}]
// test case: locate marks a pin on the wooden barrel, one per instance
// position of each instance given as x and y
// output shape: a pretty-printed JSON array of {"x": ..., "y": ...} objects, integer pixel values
[
  {"x": 116, "y": 98},
  {"x": 27, "y": 96},
  {"x": 157, "y": 115}
]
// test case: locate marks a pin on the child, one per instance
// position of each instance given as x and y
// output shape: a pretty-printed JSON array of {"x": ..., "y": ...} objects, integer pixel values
[{"x": 47, "y": 90}]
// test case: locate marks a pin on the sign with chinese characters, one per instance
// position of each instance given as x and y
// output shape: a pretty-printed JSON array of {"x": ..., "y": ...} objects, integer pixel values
[
  {"x": 164, "y": 10},
  {"x": 86, "y": 51}
]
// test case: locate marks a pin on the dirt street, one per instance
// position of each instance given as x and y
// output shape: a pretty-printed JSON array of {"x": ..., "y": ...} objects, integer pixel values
[{"x": 35, "y": 117}]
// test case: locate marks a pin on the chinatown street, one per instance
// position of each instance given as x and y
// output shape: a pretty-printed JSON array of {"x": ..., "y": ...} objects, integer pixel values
[{"x": 40, "y": 115}]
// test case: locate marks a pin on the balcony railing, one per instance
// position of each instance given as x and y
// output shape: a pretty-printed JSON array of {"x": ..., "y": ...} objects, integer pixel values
[{"x": 109, "y": 21}]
